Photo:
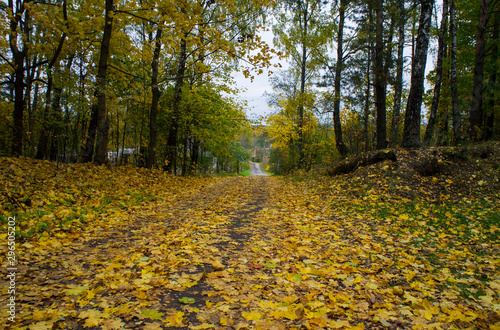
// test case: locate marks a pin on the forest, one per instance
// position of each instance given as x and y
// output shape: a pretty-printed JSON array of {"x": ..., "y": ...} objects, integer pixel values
[
  {"x": 122, "y": 126},
  {"x": 150, "y": 83}
]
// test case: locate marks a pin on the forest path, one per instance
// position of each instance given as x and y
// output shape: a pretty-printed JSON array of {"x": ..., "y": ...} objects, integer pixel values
[
  {"x": 148, "y": 250},
  {"x": 256, "y": 170},
  {"x": 198, "y": 260}
]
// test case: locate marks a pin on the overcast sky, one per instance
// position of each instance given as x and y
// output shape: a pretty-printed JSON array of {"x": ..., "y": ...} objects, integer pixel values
[{"x": 254, "y": 91}]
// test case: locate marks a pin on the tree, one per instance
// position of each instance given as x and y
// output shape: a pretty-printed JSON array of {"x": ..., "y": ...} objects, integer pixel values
[
  {"x": 155, "y": 90},
  {"x": 303, "y": 32},
  {"x": 51, "y": 105},
  {"x": 411, "y": 133},
  {"x": 380, "y": 77},
  {"x": 341, "y": 147},
  {"x": 99, "y": 124},
  {"x": 19, "y": 21},
  {"x": 475, "y": 113},
  {"x": 398, "y": 85},
  {"x": 453, "y": 75},
  {"x": 439, "y": 74},
  {"x": 492, "y": 82}
]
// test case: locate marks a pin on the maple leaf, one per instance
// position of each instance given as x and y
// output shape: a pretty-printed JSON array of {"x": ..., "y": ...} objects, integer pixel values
[
  {"x": 251, "y": 316},
  {"x": 76, "y": 290},
  {"x": 44, "y": 325},
  {"x": 152, "y": 314},
  {"x": 187, "y": 300},
  {"x": 113, "y": 324},
  {"x": 153, "y": 326}
]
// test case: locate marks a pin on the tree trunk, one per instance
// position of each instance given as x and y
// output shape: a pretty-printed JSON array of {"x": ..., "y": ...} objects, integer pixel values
[
  {"x": 88, "y": 151},
  {"x": 48, "y": 115},
  {"x": 341, "y": 147},
  {"x": 439, "y": 75},
  {"x": 366, "y": 114},
  {"x": 174, "y": 123},
  {"x": 300, "y": 126},
  {"x": 411, "y": 133},
  {"x": 185, "y": 157},
  {"x": 476, "y": 128},
  {"x": 43, "y": 141},
  {"x": 453, "y": 76},
  {"x": 31, "y": 118},
  {"x": 194, "y": 155},
  {"x": 380, "y": 78},
  {"x": 153, "y": 131},
  {"x": 102, "y": 120},
  {"x": 492, "y": 83},
  {"x": 19, "y": 57},
  {"x": 56, "y": 124},
  {"x": 398, "y": 85}
]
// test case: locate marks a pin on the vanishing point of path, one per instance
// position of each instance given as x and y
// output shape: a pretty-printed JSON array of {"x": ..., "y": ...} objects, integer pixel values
[{"x": 256, "y": 170}]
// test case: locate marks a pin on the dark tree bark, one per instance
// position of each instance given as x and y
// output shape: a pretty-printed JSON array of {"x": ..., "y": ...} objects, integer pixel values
[
  {"x": 300, "y": 125},
  {"x": 99, "y": 124},
  {"x": 185, "y": 157},
  {"x": 56, "y": 123},
  {"x": 492, "y": 83},
  {"x": 398, "y": 85},
  {"x": 475, "y": 115},
  {"x": 19, "y": 56},
  {"x": 380, "y": 78},
  {"x": 102, "y": 120},
  {"x": 411, "y": 133},
  {"x": 153, "y": 131},
  {"x": 366, "y": 113},
  {"x": 50, "y": 111},
  {"x": 439, "y": 75},
  {"x": 341, "y": 147},
  {"x": 194, "y": 155},
  {"x": 453, "y": 76},
  {"x": 174, "y": 122}
]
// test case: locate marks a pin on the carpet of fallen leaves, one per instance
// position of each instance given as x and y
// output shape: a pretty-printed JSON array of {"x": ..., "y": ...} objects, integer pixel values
[{"x": 382, "y": 247}]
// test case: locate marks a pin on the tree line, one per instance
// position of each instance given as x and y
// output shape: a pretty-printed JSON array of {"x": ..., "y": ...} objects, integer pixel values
[
  {"x": 361, "y": 64},
  {"x": 81, "y": 79}
]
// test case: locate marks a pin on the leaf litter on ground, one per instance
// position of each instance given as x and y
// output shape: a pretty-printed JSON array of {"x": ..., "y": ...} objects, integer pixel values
[{"x": 382, "y": 247}]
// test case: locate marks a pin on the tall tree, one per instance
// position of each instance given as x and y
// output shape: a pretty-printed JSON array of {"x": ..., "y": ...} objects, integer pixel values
[
  {"x": 155, "y": 91},
  {"x": 439, "y": 74},
  {"x": 303, "y": 33},
  {"x": 176, "y": 111},
  {"x": 398, "y": 84},
  {"x": 492, "y": 82},
  {"x": 411, "y": 133},
  {"x": 99, "y": 124},
  {"x": 341, "y": 147},
  {"x": 51, "y": 105},
  {"x": 453, "y": 74},
  {"x": 475, "y": 113},
  {"x": 380, "y": 77},
  {"x": 19, "y": 46}
]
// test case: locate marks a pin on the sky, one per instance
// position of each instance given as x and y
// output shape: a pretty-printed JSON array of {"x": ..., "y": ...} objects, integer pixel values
[{"x": 253, "y": 92}]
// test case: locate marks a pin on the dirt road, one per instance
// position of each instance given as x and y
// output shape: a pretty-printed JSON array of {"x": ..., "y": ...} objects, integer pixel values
[{"x": 256, "y": 170}]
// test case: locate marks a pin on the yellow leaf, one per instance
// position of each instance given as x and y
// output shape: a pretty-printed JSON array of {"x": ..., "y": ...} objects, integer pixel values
[
  {"x": 41, "y": 326},
  {"x": 217, "y": 265},
  {"x": 113, "y": 324},
  {"x": 153, "y": 326},
  {"x": 339, "y": 324},
  {"x": 251, "y": 316}
]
